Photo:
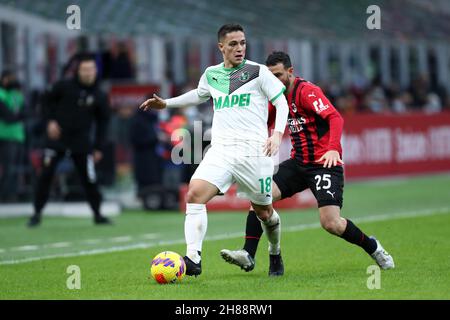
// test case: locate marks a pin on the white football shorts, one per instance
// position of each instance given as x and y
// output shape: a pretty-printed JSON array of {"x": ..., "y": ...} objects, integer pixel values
[{"x": 223, "y": 165}]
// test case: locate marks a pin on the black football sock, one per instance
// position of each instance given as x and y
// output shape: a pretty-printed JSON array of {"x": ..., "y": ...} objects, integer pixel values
[
  {"x": 354, "y": 235},
  {"x": 253, "y": 232}
]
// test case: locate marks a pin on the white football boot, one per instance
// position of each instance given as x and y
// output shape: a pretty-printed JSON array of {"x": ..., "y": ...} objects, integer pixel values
[
  {"x": 382, "y": 257},
  {"x": 240, "y": 258}
]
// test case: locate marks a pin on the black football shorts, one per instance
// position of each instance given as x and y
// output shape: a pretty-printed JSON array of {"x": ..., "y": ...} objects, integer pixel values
[{"x": 327, "y": 184}]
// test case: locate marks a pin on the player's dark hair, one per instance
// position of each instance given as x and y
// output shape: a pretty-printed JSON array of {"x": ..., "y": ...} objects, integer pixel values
[
  {"x": 227, "y": 28},
  {"x": 277, "y": 57}
]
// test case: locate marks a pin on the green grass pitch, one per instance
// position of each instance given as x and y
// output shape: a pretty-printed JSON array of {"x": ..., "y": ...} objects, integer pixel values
[{"x": 411, "y": 217}]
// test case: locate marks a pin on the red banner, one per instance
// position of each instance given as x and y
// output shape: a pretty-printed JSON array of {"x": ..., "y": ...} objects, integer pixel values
[
  {"x": 382, "y": 145},
  {"x": 130, "y": 95}
]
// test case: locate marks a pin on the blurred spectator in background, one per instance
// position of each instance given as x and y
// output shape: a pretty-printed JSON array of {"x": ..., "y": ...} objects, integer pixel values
[
  {"x": 121, "y": 66},
  {"x": 433, "y": 103},
  {"x": 347, "y": 104},
  {"x": 144, "y": 141},
  {"x": 401, "y": 102},
  {"x": 376, "y": 100},
  {"x": 173, "y": 174},
  {"x": 426, "y": 96},
  {"x": 419, "y": 91},
  {"x": 12, "y": 134},
  {"x": 73, "y": 107}
]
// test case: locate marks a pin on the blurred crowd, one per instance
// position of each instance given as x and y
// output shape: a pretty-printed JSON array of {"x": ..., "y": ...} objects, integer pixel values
[
  {"x": 421, "y": 96},
  {"x": 115, "y": 62}
]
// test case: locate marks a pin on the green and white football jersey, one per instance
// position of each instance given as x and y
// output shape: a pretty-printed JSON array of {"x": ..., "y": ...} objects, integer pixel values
[{"x": 240, "y": 101}]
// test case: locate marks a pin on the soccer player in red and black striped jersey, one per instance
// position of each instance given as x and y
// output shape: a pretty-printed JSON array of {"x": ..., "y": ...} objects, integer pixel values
[{"x": 315, "y": 129}]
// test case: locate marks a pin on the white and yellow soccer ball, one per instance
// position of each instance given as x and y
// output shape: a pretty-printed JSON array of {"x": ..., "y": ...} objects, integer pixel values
[{"x": 168, "y": 267}]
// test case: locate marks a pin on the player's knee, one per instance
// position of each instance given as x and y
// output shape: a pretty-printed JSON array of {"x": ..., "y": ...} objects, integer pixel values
[
  {"x": 193, "y": 195},
  {"x": 330, "y": 224},
  {"x": 264, "y": 213}
]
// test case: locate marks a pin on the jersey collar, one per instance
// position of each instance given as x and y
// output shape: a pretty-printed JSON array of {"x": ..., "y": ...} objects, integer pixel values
[{"x": 234, "y": 68}]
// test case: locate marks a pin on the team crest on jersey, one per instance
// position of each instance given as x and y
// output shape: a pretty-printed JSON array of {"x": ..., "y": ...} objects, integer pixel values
[
  {"x": 293, "y": 107},
  {"x": 244, "y": 76}
]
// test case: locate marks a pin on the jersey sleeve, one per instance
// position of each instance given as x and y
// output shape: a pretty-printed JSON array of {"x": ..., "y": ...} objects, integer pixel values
[
  {"x": 203, "y": 88},
  {"x": 270, "y": 85},
  {"x": 271, "y": 118},
  {"x": 313, "y": 98}
]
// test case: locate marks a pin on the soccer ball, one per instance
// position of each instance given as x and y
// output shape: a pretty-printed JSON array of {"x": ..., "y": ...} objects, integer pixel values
[{"x": 168, "y": 267}]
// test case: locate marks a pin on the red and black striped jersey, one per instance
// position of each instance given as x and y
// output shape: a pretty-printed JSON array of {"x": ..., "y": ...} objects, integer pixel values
[{"x": 315, "y": 126}]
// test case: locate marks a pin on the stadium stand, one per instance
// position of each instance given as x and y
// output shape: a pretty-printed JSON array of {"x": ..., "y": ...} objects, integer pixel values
[{"x": 300, "y": 18}]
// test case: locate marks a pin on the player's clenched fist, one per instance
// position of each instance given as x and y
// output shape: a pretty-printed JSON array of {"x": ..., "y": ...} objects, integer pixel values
[{"x": 153, "y": 103}]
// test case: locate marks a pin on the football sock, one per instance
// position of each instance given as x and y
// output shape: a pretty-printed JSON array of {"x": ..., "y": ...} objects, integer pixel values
[
  {"x": 253, "y": 232},
  {"x": 354, "y": 235},
  {"x": 195, "y": 226},
  {"x": 272, "y": 228}
]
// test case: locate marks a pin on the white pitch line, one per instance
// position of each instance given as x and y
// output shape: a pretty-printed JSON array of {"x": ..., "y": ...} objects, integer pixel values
[
  {"x": 149, "y": 236},
  {"x": 57, "y": 245},
  {"x": 143, "y": 245},
  {"x": 91, "y": 241},
  {"x": 25, "y": 248},
  {"x": 121, "y": 239}
]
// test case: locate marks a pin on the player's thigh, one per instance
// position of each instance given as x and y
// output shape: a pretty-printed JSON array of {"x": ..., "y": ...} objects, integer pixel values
[
  {"x": 327, "y": 185},
  {"x": 276, "y": 193},
  {"x": 289, "y": 179},
  {"x": 253, "y": 176},
  {"x": 200, "y": 191},
  {"x": 263, "y": 212},
  {"x": 212, "y": 176}
]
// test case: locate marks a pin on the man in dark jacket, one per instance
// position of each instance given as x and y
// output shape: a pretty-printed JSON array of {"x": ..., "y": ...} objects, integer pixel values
[{"x": 73, "y": 109}]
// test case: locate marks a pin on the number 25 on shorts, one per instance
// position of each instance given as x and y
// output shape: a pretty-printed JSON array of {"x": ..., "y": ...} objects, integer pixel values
[
  {"x": 326, "y": 179},
  {"x": 265, "y": 184}
]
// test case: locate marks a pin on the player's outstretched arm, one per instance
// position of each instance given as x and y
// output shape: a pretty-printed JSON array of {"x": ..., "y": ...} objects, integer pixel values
[
  {"x": 153, "y": 103},
  {"x": 190, "y": 98}
]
